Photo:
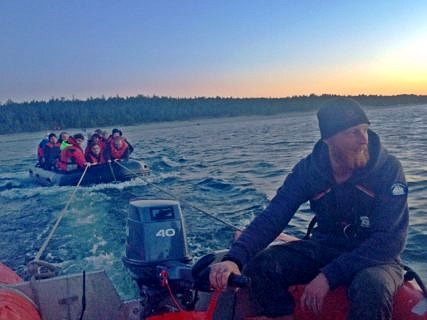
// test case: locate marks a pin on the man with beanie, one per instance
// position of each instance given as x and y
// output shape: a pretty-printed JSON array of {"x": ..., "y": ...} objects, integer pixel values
[{"x": 358, "y": 194}]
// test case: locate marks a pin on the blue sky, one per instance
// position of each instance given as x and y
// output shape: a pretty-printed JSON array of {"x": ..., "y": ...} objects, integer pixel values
[{"x": 211, "y": 48}]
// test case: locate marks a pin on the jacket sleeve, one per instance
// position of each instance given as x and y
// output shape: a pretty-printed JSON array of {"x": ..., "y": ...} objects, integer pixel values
[
  {"x": 80, "y": 159},
  {"x": 271, "y": 222},
  {"x": 389, "y": 226},
  {"x": 126, "y": 154}
]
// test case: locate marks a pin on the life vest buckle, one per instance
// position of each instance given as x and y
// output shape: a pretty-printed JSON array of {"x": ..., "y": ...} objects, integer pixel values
[{"x": 350, "y": 231}]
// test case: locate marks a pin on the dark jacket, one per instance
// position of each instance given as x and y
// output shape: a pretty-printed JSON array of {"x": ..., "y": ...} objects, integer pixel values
[
  {"x": 51, "y": 153},
  {"x": 365, "y": 217},
  {"x": 40, "y": 149}
]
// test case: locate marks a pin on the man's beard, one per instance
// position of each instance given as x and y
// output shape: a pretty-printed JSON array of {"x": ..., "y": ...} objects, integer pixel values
[{"x": 349, "y": 158}]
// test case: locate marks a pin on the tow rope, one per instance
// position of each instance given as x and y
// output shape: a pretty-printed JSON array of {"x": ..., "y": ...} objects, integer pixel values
[
  {"x": 181, "y": 200},
  {"x": 42, "y": 269},
  {"x": 112, "y": 170}
]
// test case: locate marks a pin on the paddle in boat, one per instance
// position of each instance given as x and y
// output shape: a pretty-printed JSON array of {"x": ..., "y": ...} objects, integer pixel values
[{"x": 121, "y": 170}]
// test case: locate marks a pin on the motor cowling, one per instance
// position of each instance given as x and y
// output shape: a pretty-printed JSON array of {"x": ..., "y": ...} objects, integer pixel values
[{"x": 155, "y": 237}]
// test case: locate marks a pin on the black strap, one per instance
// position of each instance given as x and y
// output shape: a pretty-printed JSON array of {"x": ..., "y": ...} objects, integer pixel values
[
  {"x": 83, "y": 296},
  {"x": 310, "y": 228},
  {"x": 412, "y": 275}
]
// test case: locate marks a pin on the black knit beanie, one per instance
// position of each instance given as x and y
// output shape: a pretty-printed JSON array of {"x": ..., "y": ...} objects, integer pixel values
[
  {"x": 79, "y": 136},
  {"x": 338, "y": 114}
]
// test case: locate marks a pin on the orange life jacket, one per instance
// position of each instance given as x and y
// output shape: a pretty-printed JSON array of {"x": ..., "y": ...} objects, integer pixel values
[
  {"x": 71, "y": 157},
  {"x": 117, "y": 153}
]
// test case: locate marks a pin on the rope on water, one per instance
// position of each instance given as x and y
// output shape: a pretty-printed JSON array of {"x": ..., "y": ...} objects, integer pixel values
[
  {"x": 61, "y": 215},
  {"x": 182, "y": 201}
]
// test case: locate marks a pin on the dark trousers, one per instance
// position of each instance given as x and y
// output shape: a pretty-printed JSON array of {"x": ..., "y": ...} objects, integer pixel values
[{"x": 272, "y": 271}]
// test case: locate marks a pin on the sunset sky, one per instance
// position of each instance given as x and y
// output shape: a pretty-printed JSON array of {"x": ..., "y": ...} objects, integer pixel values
[{"x": 187, "y": 48}]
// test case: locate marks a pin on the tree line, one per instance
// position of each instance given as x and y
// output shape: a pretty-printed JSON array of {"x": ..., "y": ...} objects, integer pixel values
[{"x": 62, "y": 113}]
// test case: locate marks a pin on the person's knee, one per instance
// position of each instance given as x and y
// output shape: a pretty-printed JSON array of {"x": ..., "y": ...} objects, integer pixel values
[
  {"x": 269, "y": 286},
  {"x": 375, "y": 285},
  {"x": 265, "y": 264}
]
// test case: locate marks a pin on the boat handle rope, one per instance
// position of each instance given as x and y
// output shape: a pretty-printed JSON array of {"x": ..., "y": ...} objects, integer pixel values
[
  {"x": 112, "y": 170},
  {"x": 181, "y": 200},
  {"x": 42, "y": 269}
]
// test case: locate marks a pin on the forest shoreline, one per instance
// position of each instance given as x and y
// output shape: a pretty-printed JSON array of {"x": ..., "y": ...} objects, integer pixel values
[{"x": 61, "y": 114}]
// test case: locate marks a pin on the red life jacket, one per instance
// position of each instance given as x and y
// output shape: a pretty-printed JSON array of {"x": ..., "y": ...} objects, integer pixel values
[
  {"x": 40, "y": 147},
  {"x": 40, "y": 153},
  {"x": 100, "y": 143},
  {"x": 72, "y": 157},
  {"x": 117, "y": 153},
  {"x": 90, "y": 157}
]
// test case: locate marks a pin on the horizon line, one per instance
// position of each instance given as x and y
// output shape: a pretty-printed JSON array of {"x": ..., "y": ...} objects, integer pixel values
[{"x": 103, "y": 97}]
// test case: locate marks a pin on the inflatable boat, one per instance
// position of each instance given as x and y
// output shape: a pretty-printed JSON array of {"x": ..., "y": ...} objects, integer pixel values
[
  {"x": 13, "y": 303},
  {"x": 171, "y": 287},
  {"x": 102, "y": 173},
  {"x": 92, "y": 296}
]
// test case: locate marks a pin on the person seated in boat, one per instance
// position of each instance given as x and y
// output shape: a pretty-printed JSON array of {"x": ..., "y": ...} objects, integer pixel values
[
  {"x": 95, "y": 154},
  {"x": 63, "y": 140},
  {"x": 117, "y": 149},
  {"x": 115, "y": 133},
  {"x": 51, "y": 153},
  {"x": 358, "y": 194},
  {"x": 72, "y": 157},
  {"x": 94, "y": 139},
  {"x": 40, "y": 150},
  {"x": 103, "y": 134}
]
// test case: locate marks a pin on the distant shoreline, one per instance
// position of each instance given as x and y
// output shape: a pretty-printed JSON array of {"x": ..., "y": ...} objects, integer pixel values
[{"x": 61, "y": 114}]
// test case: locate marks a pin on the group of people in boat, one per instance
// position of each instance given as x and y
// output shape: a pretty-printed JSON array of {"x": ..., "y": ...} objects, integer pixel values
[{"x": 67, "y": 152}]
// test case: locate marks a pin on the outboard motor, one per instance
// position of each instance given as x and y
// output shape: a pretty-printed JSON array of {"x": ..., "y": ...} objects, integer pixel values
[
  {"x": 157, "y": 257},
  {"x": 155, "y": 237}
]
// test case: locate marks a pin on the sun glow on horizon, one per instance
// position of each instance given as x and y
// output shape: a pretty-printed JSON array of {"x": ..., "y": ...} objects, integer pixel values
[
  {"x": 209, "y": 49},
  {"x": 400, "y": 68}
]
